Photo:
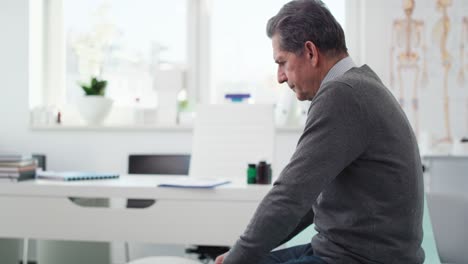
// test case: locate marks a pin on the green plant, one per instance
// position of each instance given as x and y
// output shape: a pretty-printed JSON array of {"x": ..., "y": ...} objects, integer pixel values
[{"x": 95, "y": 87}]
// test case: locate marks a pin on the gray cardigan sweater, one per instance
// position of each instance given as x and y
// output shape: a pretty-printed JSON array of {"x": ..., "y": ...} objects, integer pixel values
[{"x": 356, "y": 173}]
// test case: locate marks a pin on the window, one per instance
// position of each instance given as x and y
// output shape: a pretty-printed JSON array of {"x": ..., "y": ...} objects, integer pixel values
[
  {"x": 123, "y": 41},
  {"x": 218, "y": 47},
  {"x": 242, "y": 59}
]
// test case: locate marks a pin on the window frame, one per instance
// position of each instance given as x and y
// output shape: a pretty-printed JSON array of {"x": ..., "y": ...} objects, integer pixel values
[
  {"x": 50, "y": 62},
  {"x": 47, "y": 50}
]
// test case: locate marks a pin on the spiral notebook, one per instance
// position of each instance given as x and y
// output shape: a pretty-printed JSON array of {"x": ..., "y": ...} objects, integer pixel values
[{"x": 75, "y": 175}]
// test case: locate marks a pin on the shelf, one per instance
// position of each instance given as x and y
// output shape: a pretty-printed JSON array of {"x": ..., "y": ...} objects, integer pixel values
[
  {"x": 116, "y": 128},
  {"x": 137, "y": 128}
]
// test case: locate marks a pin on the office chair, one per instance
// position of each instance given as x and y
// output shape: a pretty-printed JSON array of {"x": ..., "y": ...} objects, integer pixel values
[
  {"x": 169, "y": 164},
  {"x": 172, "y": 164}
]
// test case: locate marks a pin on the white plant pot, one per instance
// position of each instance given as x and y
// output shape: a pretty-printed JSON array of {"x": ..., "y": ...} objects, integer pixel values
[{"x": 94, "y": 108}]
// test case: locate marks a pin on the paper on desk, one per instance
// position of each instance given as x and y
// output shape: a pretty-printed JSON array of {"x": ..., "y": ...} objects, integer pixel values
[{"x": 187, "y": 182}]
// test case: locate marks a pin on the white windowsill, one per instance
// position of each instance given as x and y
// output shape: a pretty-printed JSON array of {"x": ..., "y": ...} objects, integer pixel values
[
  {"x": 131, "y": 128},
  {"x": 136, "y": 128}
]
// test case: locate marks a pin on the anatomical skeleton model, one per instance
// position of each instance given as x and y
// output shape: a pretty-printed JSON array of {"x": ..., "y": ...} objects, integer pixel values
[
  {"x": 463, "y": 55},
  {"x": 440, "y": 36},
  {"x": 463, "y": 41},
  {"x": 408, "y": 47}
]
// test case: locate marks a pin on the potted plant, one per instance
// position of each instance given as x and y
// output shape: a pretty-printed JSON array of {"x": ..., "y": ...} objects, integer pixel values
[{"x": 94, "y": 107}]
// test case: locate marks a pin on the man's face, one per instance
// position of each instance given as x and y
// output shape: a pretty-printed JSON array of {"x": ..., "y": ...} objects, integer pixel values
[{"x": 296, "y": 70}]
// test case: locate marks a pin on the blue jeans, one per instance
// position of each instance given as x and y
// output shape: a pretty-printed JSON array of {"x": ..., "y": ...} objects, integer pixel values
[{"x": 303, "y": 254}]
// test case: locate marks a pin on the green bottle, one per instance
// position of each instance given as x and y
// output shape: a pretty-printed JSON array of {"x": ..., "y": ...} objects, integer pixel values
[{"x": 251, "y": 173}]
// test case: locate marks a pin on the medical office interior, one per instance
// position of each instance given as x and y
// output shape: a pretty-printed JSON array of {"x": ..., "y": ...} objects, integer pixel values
[{"x": 163, "y": 63}]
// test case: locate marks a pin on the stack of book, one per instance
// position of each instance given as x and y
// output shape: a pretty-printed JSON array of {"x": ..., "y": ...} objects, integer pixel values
[{"x": 17, "y": 167}]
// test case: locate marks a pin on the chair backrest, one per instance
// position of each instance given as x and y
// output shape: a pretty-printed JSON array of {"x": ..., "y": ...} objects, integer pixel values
[
  {"x": 449, "y": 215},
  {"x": 172, "y": 164},
  {"x": 227, "y": 137}
]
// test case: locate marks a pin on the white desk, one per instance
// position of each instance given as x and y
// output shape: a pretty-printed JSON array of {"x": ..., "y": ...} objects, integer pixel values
[{"x": 41, "y": 209}]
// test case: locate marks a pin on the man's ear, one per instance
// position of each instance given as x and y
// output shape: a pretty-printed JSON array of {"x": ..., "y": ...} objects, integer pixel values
[{"x": 311, "y": 52}]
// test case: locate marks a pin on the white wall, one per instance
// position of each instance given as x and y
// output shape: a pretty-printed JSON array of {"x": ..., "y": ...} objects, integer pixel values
[{"x": 13, "y": 70}]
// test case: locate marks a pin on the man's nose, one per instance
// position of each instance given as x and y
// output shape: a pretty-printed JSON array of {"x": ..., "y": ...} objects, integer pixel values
[{"x": 281, "y": 77}]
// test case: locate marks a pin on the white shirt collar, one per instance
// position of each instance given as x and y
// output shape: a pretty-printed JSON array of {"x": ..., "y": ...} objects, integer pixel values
[{"x": 339, "y": 69}]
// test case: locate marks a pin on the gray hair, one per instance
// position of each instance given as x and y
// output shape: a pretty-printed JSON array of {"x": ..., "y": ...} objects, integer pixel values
[{"x": 307, "y": 20}]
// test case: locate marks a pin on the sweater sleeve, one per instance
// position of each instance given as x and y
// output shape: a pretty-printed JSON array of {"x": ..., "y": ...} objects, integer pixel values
[
  {"x": 336, "y": 133},
  {"x": 305, "y": 222}
]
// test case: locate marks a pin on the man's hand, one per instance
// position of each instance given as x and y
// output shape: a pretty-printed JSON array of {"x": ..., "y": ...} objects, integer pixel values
[{"x": 220, "y": 258}]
